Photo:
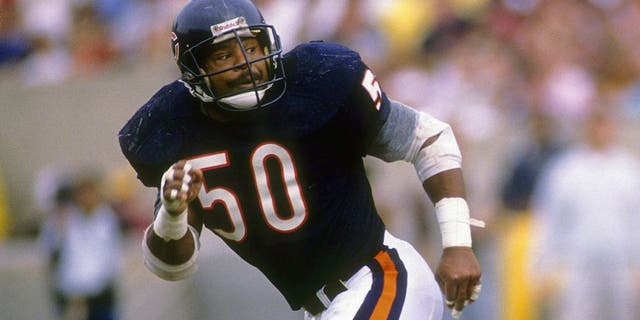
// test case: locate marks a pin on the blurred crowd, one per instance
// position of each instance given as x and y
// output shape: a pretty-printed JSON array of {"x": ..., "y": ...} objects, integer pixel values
[
  {"x": 57, "y": 40},
  {"x": 500, "y": 60},
  {"x": 527, "y": 84}
]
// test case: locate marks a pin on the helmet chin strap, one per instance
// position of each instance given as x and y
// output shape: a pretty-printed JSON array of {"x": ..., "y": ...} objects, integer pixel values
[{"x": 245, "y": 101}]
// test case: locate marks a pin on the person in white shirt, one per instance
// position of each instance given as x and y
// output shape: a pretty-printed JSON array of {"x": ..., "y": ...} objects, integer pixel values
[
  {"x": 82, "y": 240},
  {"x": 587, "y": 217}
]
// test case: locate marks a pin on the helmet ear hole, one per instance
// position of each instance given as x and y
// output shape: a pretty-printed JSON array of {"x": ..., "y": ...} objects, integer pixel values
[
  {"x": 267, "y": 40},
  {"x": 206, "y": 80},
  {"x": 271, "y": 64}
]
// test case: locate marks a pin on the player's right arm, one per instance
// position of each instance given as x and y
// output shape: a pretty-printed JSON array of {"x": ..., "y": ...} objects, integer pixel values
[
  {"x": 151, "y": 141},
  {"x": 170, "y": 244}
]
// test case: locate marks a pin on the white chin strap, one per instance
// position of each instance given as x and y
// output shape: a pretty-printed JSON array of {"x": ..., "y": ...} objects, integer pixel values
[{"x": 245, "y": 101}]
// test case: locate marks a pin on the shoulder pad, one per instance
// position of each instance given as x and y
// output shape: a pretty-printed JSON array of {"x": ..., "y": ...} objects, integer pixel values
[
  {"x": 325, "y": 70},
  {"x": 326, "y": 57},
  {"x": 154, "y": 135}
]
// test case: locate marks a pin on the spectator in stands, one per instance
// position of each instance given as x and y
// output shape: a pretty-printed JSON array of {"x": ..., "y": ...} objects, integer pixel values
[{"x": 14, "y": 45}]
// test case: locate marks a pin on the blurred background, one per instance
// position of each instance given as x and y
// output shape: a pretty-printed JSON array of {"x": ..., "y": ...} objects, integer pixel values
[{"x": 544, "y": 97}]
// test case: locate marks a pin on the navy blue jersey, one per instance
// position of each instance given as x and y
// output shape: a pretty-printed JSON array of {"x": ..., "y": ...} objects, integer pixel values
[{"x": 284, "y": 185}]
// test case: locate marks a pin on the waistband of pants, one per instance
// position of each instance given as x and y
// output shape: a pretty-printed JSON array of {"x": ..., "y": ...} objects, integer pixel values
[{"x": 321, "y": 300}]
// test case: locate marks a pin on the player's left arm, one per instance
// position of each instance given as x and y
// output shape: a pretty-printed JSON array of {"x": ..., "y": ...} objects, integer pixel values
[
  {"x": 392, "y": 131},
  {"x": 430, "y": 145}
]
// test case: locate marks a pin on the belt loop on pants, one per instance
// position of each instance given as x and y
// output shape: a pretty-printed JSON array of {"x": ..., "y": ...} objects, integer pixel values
[{"x": 323, "y": 297}]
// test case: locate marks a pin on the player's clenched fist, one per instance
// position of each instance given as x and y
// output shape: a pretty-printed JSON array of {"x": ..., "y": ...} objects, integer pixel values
[
  {"x": 458, "y": 275},
  {"x": 180, "y": 185}
]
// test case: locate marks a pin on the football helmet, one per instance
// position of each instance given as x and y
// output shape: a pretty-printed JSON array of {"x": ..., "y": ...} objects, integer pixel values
[{"x": 203, "y": 23}]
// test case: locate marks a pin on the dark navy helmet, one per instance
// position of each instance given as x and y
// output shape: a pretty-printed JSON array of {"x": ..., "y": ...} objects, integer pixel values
[{"x": 203, "y": 23}]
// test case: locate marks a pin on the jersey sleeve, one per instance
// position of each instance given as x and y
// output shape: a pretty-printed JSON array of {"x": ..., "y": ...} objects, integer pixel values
[
  {"x": 340, "y": 90},
  {"x": 366, "y": 108}
]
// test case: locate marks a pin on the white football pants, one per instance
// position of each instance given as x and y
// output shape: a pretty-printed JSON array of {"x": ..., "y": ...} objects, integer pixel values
[{"x": 397, "y": 284}]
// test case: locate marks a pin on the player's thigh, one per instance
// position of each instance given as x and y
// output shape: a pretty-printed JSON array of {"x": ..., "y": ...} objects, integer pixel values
[{"x": 423, "y": 299}]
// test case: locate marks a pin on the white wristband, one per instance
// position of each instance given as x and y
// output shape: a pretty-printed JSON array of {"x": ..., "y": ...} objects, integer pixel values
[
  {"x": 170, "y": 227},
  {"x": 454, "y": 220}
]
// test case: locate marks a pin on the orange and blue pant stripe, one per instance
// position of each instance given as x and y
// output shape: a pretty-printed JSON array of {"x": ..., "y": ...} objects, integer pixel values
[{"x": 386, "y": 297}]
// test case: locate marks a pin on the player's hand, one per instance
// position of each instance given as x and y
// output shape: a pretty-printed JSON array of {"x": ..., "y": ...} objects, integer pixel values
[
  {"x": 458, "y": 275},
  {"x": 180, "y": 185}
]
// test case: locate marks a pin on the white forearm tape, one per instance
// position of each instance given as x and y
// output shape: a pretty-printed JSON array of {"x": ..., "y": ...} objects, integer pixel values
[
  {"x": 454, "y": 220},
  {"x": 168, "y": 271},
  {"x": 168, "y": 226}
]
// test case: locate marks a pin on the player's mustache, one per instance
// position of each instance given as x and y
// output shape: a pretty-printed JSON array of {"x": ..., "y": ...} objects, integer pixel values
[{"x": 245, "y": 78}]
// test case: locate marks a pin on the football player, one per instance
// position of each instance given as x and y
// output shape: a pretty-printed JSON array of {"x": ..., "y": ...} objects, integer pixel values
[{"x": 266, "y": 150}]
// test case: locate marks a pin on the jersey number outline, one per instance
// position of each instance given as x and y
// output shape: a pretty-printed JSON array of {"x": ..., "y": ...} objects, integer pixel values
[
  {"x": 372, "y": 86},
  {"x": 210, "y": 196}
]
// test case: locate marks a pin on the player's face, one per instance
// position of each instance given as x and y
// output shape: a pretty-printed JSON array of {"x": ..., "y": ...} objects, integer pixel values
[{"x": 228, "y": 54}]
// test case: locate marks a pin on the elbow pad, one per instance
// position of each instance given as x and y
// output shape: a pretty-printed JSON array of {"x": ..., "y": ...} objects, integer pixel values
[
  {"x": 404, "y": 133},
  {"x": 441, "y": 155},
  {"x": 168, "y": 271}
]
